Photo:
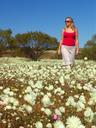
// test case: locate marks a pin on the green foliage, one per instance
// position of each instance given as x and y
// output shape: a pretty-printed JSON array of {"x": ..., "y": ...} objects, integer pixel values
[
  {"x": 42, "y": 40},
  {"x": 22, "y": 39},
  {"x": 90, "y": 49},
  {"x": 30, "y": 44},
  {"x": 5, "y": 38}
]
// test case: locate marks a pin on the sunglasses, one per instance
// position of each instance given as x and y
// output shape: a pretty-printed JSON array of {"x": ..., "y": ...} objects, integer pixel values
[{"x": 67, "y": 21}]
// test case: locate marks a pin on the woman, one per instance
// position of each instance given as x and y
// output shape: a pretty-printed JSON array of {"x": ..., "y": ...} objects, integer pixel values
[{"x": 68, "y": 45}]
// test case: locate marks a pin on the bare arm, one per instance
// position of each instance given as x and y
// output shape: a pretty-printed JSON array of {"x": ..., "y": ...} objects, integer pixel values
[
  {"x": 60, "y": 43},
  {"x": 77, "y": 42}
]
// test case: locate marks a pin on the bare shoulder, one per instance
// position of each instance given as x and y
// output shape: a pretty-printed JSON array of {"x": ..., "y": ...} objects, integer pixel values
[
  {"x": 76, "y": 30},
  {"x": 63, "y": 29}
]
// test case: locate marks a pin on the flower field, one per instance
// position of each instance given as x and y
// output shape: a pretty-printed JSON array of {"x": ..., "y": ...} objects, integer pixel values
[{"x": 44, "y": 94}]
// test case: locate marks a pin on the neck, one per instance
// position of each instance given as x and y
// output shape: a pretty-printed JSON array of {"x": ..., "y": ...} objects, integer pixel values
[{"x": 68, "y": 26}]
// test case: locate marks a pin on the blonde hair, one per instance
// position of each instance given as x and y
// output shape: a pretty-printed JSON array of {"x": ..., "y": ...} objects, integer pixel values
[{"x": 72, "y": 23}]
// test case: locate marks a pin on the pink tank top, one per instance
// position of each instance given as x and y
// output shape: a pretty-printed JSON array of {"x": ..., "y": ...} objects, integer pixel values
[{"x": 69, "y": 38}]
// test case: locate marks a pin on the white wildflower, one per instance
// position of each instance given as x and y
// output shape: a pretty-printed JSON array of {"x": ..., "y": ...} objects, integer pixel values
[
  {"x": 74, "y": 122},
  {"x": 88, "y": 114},
  {"x": 82, "y": 99},
  {"x": 47, "y": 112},
  {"x": 57, "y": 90},
  {"x": 90, "y": 102},
  {"x": 46, "y": 101},
  {"x": 80, "y": 106},
  {"x": 1, "y": 87},
  {"x": 59, "y": 124},
  {"x": 30, "y": 98},
  {"x": 62, "y": 109},
  {"x": 28, "y": 89},
  {"x": 70, "y": 101},
  {"x": 56, "y": 82},
  {"x": 38, "y": 85},
  {"x": 79, "y": 86},
  {"x": 57, "y": 111},
  {"x": 93, "y": 96},
  {"x": 73, "y": 82},
  {"x": 49, "y": 125},
  {"x": 61, "y": 79},
  {"x": 85, "y": 58},
  {"x": 8, "y": 107},
  {"x": 76, "y": 96},
  {"x": 50, "y": 87},
  {"x": 39, "y": 124},
  {"x": 49, "y": 94},
  {"x": 28, "y": 108}
]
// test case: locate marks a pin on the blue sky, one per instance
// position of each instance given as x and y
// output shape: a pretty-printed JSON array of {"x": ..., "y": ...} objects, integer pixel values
[{"x": 48, "y": 16}]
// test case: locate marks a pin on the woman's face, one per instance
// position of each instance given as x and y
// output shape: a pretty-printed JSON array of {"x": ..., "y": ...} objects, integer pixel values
[{"x": 68, "y": 22}]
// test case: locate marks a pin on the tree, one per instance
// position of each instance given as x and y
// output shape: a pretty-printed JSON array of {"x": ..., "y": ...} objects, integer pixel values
[
  {"x": 22, "y": 39},
  {"x": 90, "y": 48},
  {"x": 5, "y": 37},
  {"x": 42, "y": 40}
]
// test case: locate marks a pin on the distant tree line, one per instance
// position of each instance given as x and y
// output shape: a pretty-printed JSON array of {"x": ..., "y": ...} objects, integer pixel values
[
  {"x": 30, "y": 44},
  {"x": 89, "y": 49}
]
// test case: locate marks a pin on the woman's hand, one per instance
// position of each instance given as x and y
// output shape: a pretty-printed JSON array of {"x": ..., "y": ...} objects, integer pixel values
[
  {"x": 59, "y": 51},
  {"x": 77, "y": 51}
]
